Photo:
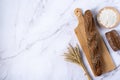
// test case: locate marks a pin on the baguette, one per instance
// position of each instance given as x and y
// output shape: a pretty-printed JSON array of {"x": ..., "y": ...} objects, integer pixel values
[{"x": 94, "y": 43}]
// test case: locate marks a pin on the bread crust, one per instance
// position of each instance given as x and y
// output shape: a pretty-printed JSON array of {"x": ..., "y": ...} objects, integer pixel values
[
  {"x": 114, "y": 39},
  {"x": 94, "y": 43}
]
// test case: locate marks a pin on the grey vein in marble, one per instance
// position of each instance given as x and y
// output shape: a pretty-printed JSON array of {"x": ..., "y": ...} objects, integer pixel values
[{"x": 35, "y": 34}]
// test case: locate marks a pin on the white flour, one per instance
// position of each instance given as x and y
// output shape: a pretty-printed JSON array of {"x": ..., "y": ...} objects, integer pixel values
[{"x": 108, "y": 18}]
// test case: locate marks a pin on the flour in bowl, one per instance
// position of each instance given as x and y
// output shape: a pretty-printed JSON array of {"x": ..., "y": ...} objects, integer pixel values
[{"x": 108, "y": 17}]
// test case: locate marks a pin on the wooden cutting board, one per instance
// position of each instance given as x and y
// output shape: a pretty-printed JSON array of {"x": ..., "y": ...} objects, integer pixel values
[{"x": 81, "y": 35}]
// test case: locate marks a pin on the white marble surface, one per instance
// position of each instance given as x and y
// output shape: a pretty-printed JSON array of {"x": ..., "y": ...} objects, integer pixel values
[{"x": 34, "y": 34}]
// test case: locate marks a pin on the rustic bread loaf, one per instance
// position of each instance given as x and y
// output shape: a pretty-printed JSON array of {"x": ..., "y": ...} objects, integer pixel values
[
  {"x": 94, "y": 43},
  {"x": 114, "y": 39}
]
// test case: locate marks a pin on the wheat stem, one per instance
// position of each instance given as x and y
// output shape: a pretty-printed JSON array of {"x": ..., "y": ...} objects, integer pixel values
[{"x": 75, "y": 56}]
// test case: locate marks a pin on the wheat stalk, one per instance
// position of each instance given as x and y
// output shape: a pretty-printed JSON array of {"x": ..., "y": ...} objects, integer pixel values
[{"x": 75, "y": 56}]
